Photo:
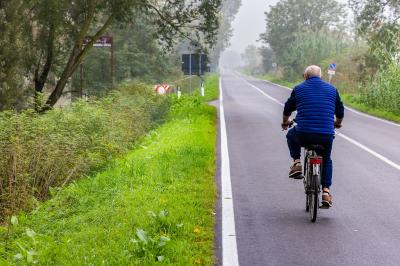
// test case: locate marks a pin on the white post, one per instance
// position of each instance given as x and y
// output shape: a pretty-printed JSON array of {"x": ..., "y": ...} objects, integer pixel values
[
  {"x": 202, "y": 88},
  {"x": 179, "y": 93}
]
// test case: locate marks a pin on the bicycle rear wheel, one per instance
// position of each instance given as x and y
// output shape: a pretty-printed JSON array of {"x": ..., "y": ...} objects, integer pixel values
[
  {"x": 314, "y": 199},
  {"x": 314, "y": 205},
  {"x": 306, "y": 182}
]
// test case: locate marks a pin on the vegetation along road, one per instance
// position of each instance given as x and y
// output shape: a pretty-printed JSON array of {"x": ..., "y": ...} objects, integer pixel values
[{"x": 113, "y": 153}]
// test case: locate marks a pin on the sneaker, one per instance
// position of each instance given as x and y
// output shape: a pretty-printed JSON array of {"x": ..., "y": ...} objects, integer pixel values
[
  {"x": 296, "y": 171},
  {"x": 326, "y": 200}
]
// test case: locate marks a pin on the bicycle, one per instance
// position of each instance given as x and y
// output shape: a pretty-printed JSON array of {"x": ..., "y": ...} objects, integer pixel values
[{"x": 312, "y": 179}]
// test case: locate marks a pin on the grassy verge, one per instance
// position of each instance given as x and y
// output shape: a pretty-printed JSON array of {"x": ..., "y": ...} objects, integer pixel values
[
  {"x": 349, "y": 99},
  {"x": 211, "y": 85},
  {"x": 43, "y": 151},
  {"x": 153, "y": 206},
  {"x": 352, "y": 101}
]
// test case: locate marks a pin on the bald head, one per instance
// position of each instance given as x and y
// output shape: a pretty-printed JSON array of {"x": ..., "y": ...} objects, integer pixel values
[{"x": 312, "y": 71}]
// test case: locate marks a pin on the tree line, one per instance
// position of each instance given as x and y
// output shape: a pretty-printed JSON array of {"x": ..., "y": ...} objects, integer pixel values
[
  {"x": 42, "y": 44},
  {"x": 361, "y": 37}
]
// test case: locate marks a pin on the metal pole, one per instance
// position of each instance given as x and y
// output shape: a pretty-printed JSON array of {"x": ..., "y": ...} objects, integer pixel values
[
  {"x": 190, "y": 73},
  {"x": 112, "y": 61},
  {"x": 201, "y": 80},
  {"x": 81, "y": 72}
]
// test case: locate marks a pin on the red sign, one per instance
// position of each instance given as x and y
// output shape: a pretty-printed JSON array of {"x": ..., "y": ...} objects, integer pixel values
[
  {"x": 103, "y": 41},
  {"x": 162, "y": 89}
]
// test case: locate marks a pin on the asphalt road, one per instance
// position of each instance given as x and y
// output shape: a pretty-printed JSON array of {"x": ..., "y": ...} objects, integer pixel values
[{"x": 272, "y": 227}]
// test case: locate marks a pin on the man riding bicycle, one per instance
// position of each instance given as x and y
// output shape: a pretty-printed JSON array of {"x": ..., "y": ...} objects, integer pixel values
[{"x": 317, "y": 103}]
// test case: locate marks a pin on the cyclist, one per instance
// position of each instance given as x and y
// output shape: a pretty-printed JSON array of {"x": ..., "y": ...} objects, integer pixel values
[{"x": 317, "y": 103}]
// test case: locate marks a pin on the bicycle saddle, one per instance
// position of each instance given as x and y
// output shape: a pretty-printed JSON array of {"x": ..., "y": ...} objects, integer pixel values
[{"x": 315, "y": 147}]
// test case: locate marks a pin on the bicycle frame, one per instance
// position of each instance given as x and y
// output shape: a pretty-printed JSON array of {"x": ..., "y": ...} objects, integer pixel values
[{"x": 312, "y": 181}]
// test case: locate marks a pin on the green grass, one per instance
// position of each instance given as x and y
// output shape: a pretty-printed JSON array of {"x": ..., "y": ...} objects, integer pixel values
[
  {"x": 154, "y": 206},
  {"x": 211, "y": 86},
  {"x": 352, "y": 101},
  {"x": 349, "y": 99}
]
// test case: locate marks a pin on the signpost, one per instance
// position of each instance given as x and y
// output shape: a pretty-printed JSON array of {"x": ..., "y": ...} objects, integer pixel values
[
  {"x": 195, "y": 64},
  {"x": 103, "y": 41},
  {"x": 331, "y": 72}
]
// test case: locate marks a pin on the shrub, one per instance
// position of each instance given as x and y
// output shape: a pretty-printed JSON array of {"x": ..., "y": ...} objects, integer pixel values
[
  {"x": 383, "y": 91},
  {"x": 50, "y": 150},
  {"x": 309, "y": 48}
]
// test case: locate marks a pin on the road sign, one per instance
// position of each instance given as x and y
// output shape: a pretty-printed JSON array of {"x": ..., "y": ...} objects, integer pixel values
[
  {"x": 331, "y": 72},
  {"x": 195, "y": 64},
  {"x": 162, "y": 89},
  {"x": 332, "y": 69},
  {"x": 103, "y": 41}
]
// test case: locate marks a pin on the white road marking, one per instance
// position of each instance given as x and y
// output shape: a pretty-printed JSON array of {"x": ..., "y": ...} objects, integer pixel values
[
  {"x": 372, "y": 117},
  {"x": 229, "y": 246},
  {"x": 365, "y": 148},
  {"x": 358, "y": 144},
  {"x": 262, "y": 92}
]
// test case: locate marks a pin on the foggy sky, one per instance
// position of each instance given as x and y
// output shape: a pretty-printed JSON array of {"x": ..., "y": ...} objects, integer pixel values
[{"x": 250, "y": 23}]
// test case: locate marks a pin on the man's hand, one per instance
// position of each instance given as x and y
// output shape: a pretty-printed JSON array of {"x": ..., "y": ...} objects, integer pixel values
[
  {"x": 338, "y": 123},
  {"x": 286, "y": 124}
]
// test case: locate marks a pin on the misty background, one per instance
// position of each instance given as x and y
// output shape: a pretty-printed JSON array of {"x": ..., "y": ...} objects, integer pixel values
[{"x": 250, "y": 23}]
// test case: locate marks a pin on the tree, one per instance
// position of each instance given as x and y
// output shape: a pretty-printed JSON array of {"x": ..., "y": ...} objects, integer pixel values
[
  {"x": 228, "y": 12},
  {"x": 63, "y": 24},
  {"x": 137, "y": 56},
  {"x": 309, "y": 49},
  {"x": 14, "y": 54},
  {"x": 290, "y": 17},
  {"x": 252, "y": 59},
  {"x": 267, "y": 58},
  {"x": 377, "y": 22}
]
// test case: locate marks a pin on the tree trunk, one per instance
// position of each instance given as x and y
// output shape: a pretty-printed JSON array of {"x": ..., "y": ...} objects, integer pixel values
[
  {"x": 40, "y": 79},
  {"x": 76, "y": 57}
]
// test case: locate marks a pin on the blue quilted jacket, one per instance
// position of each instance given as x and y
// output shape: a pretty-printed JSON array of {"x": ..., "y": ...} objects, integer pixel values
[{"x": 317, "y": 102}]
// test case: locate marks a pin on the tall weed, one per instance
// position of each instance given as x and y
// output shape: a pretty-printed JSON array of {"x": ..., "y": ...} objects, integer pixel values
[
  {"x": 383, "y": 91},
  {"x": 40, "y": 152}
]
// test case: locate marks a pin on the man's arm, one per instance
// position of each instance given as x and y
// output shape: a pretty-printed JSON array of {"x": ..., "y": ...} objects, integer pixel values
[
  {"x": 339, "y": 111},
  {"x": 290, "y": 106}
]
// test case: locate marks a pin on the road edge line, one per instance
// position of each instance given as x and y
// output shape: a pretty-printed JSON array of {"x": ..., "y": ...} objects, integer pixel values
[
  {"x": 229, "y": 245},
  {"x": 354, "y": 142},
  {"x": 372, "y": 152}
]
